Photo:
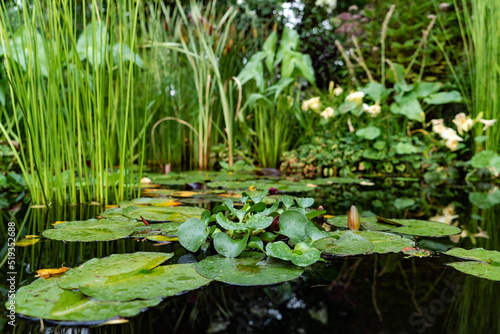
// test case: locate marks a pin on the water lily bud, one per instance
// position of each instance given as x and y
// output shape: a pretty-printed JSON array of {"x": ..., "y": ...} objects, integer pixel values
[{"x": 353, "y": 219}]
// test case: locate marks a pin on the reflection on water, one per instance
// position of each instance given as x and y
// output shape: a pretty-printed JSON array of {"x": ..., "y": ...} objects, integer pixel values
[{"x": 370, "y": 294}]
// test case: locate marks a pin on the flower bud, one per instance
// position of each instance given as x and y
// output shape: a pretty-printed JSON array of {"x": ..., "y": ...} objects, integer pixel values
[{"x": 353, "y": 219}]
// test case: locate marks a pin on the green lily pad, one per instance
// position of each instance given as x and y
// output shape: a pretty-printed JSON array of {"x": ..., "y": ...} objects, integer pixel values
[
  {"x": 150, "y": 201},
  {"x": 249, "y": 268},
  {"x": 282, "y": 186},
  {"x": 44, "y": 299},
  {"x": 192, "y": 234},
  {"x": 229, "y": 247},
  {"x": 415, "y": 227},
  {"x": 386, "y": 242},
  {"x": 92, "y": 230},
  {"x": 349, "y": 243},
  {"x": 336, "y": 180},
  {"x": 484, "y": 264},
  {"x": 163, "y": 281},
  {"x": 164, "y": 229},
  {"x": 174, "y": 213},
  {"x": 99, "y": 270},
  {"x": 292, "y": 223}
]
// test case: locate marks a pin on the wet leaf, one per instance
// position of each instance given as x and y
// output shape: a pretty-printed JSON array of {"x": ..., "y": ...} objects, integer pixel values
[
  {"x": 100, "y": 270},
  {"x": 163, "y": 281},
  {"x": 27, "y": 241},
  {"x": 484, "y": 264},
  {"x": 349, "y": 243},
  {"x": 229, "y": 247},
  {"x": 164, "y": 229},
  {"x": 192, "y": 234},
  {"x": 302, "y": 256},
  {"x": 386, "y": 242},
  {"x": 92, "y": 230},
  {"x": 151, "y": 201},
  {"x": 292, "y": 224},
  {"x": 415, "y": 227},
  {"x": 44, "y": 299},
  {"x": 46, "y": 273},
  {"x": 249, "y": 268},
  {"x": 155, "y": 214},
  {"x": 416, "y": 252}
]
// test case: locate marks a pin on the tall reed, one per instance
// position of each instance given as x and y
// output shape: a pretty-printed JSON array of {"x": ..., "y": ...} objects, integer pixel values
[{"x": 71, "y": 87}]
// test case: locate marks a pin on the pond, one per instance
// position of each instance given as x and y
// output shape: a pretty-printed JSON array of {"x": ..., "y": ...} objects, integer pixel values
[{"x": 377, "y": 293}]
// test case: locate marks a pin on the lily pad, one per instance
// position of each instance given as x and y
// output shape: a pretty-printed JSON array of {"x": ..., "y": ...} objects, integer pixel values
[
  {"x": 92, "y": 230},
  {"x": 303, "y": 255},
  {"x": 163, "y": 281},
  {"x": 282, "y": 186},
  {"x": 415, "y": 227},
  {"x": 336, "y": 180},
  {"x": 249, "y": 269},
  {"x": 386, "y": 242},
  {"x": 161, "y": 229},
  {"x": 155, "y": 214},
  {"x": 44, "y": 299},
  {"x": 484, "y": 264},
  {"x": 349, "y": 243},
  {"x": 100, "y": 270},
  {"x": 150, "y": 201},
  {"x": 292, "y": 223}
]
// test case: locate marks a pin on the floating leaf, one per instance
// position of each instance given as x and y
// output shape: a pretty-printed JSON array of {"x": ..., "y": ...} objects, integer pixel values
[
  {"x": 163, "y": 281},
  {"x": 164, "y": 229},
  {"x": 46, "y": 273},
  {"x": 151, "y": 201},
  {"x": 416, "y": 252},
  {"x": 386, "y": 242},
  {"x": 249, "y": 268},
  {"x": 44, "y": 299},
  {"x": 349, "y": 243},
  {"x": 415, "y": 227},
  {"x": 155, "y": 214},
  {"x": 92, "y": 230},
  {"x": 99, "y": 270},
  {"x": 27, "y": 241},
  {"x": 484, "y": 264}
]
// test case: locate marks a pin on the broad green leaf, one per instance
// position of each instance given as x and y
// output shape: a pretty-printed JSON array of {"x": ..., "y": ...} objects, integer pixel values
[
  {"x": 123, "y": 53},
  {"x": 254, "y": 70},
  {"x": 280, "y": 86},
  {"x": 292, "y": 223},
  {"x": 484, "y": 264},
  {"x": 304, "y": 202},
  {"x": 289, "y": 42},
  {"x": 483, "y": 159},
  {"x": 349, "y": 243},
  {"x": 249, "y": 269},
  {"x": 405, "y": 148},
  {"x": 409, "y": 107},
  {"x": 229, "y": 247},
  {"x": 44, "y": 299},
  {"x": 259, "y": 222},
  {"x": 369, "y": 133},
  {"x": 163, "y": 281},
  {"x": 92, "y": 44},
  {"x": 424, "y": 89},
  {"x": 444, "y": 97},
  {"x": 314, "y": 233},
  {"x": 192, "y": 234},
  {"x": 269, "y": 49},
  {"x": 376, "y": 91},
  {"x": 301, "y": 256},
  {"x": 288, "y": 201},
  {"x": 255, "y": 242},
  {"x": 403, "y": 203},
  {"x": 386, "y": 242},
  {"x": 227, "y": 224},
  {"x": 485, "y": 200},
  {"x": 99, "y": 271},
  {"x": 173, "y": 213},
  {"x": 92, "y": 230}
]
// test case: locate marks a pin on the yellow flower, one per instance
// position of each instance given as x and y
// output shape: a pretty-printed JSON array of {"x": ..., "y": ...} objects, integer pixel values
[
  {"x": 463, "y": 123},
  {"x": 356, "y": 97},
  {"x": 452, "y": 143},
  {"x": 327, "y": 113},
  {"x": 374, "y": 109},
  {"x": 438, "y": 126}
]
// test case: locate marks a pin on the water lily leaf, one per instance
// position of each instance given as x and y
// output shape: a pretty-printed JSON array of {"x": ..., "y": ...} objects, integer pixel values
[
  {"x": 164, "y": 229},
  {"x": 249, "y": 268},
  {"x": 335, "y": 180},
  {"x": 349, "y": 243},
  {"x": 229, "y": 225},
  {"x": 92, "y": 230},
  {"x": 44, "y": 299},
  {"x": 27, "y": 241},
  {"x": 282, "y": 186},
  {"x": 163, "y": 281},
  {"x": 415, "y": 227},
  {"x": 192, "y": 234},
  {"x": 292, "y": 223},
  {"x": 255, "y": 242},
  {"x": 259, "y": 222},
  {"x": 415, "y": 252},
  {"x": 484, "y": 264},
  {"x": 386, "y": 242},
  {"x": 314, "y": 233},
  {"x": 288, "y": 201},
  {"x": 162, "y": 238},
  {"x": 301, "y": 256},
  {"x": 151, "y": 201},
  {"x": 175, "y": 213},
  {"x": 229, "y": 247},
  {"x": 99, "y": 270}
]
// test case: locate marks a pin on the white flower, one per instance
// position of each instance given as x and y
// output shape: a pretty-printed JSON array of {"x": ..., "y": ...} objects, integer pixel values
[
  {"x": 448, "y": 133},
  {"x": 313, "y": 104},
  {"x": 448, "y": 215},
  {"x": 449, "y": 210},
  {"x": 487, "y": 123},
  {"x": 374, "y": 109},
  {"x": 438, "y": 126},
  {"x": 145, "y": 180},
  {"x": 366, "y": 107},
  {"x": 329, "y": 5},
  {"x": 240, "y": 2},
  {"x": 452, "y": 143},
  {"x": 356, "y": 97},
  {"x": 463, "y": 123},
  {"x": 327, "y": 113},
  {"x": 338, "y": 90}
]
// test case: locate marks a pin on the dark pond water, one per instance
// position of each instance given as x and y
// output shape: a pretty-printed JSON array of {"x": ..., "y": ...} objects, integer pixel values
[{"x": 366, "y": 294}]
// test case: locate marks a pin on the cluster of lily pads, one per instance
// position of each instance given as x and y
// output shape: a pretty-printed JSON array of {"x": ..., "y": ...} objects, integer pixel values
[
  {"x": 287, "y": 231},
  {"x": 260, "y": 240}
]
